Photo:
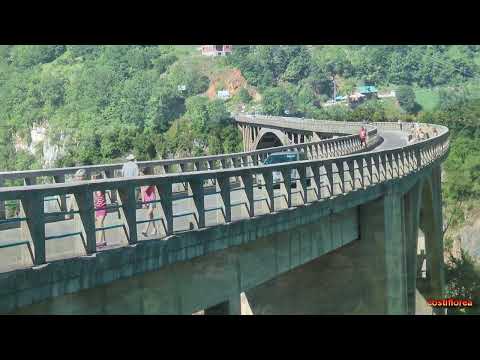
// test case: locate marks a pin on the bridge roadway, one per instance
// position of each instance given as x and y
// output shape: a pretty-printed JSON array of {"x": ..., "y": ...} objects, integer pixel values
[{"x": 116, "y": 237}]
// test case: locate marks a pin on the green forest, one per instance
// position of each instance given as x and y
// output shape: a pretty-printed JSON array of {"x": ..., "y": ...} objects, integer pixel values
[{"x": 104, "y": 101}]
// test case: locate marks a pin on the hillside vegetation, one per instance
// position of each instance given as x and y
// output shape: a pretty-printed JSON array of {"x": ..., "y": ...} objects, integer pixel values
[{"x": 99, "y": 103}]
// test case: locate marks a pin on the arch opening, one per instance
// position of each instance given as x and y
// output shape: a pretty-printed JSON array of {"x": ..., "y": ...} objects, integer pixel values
[
  {"x": 430, "y": 252},
  {"x": 269, "y": 140}
]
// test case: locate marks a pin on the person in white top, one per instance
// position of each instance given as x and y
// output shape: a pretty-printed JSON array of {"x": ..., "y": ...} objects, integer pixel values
[{"x": 130, "y": 168}]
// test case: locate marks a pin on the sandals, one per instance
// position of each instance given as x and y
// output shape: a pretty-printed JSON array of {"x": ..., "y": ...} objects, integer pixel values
[{"x": 102, "y": 244}]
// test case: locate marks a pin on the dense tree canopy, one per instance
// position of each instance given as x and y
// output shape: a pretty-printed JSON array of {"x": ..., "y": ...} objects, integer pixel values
[
  {"x": 406, "y": 98},
  {"x": 101, "y": 102}
]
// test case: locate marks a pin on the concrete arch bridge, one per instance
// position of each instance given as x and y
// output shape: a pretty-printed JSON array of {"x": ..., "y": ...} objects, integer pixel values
[{"x": 340, "y": 238}]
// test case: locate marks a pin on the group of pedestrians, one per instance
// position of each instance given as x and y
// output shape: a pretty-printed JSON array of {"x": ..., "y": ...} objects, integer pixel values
[
  {"x": 146, "y": 195},
  {"x": 420, "y": 133}
]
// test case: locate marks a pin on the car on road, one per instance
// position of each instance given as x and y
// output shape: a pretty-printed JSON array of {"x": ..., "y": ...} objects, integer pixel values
[{"x": 283, "y": 157}]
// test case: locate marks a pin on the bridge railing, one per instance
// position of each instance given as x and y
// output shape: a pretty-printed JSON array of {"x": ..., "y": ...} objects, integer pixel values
[
  {"x": 298, "y": 183},
  {"x": 315, "y": 150},
  {"x": 304, "y": 124},
  {"x": 194, "y": 163}
]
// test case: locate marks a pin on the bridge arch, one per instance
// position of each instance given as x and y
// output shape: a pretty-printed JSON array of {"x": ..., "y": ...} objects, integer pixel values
[
  {"x": 268, "y": 138},
  {"x": 427, "y": 219}
]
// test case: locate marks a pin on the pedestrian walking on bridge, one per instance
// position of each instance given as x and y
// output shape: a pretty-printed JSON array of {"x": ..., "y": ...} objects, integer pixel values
[
  {"x": 363, "y": 136},
  {"x": 130, "y": 168},
  {"x": 148, "y": 195},
  {"x": 100, "y": 204}
]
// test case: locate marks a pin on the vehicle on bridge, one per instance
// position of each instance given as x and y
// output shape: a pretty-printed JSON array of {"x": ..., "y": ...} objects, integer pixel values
[{"x": 283, "y": 157}]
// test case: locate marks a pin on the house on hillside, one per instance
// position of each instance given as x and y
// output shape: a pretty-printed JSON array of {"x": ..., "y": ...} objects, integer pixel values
[
  {"x": 370, "y": 92},
  {"x": 216, "y": 50},
  {"x": 391, "y": 94},
  {"x": 355, "y": 99},
  {"x": 223, "y": 94}
]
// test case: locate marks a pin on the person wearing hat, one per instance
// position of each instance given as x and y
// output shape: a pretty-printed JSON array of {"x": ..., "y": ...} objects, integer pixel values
[{"x": 130, "y": 168}]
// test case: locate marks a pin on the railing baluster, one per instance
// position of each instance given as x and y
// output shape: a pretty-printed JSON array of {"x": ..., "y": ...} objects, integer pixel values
[
  {"x": 164, "y": 189},
  {"x": 331, "y": 182},
  {"x": 198, "y": 194},
  {"x": 224, "y": 186},
  {"x": 418, "y": 157},
  {"x": 30, "y": 181},
  {"x": 63, "y": 199},
  {"x": 244, "y": 161},
  {"x": 85, "y": 206},
  {"x": 268, "y": 180},
  {"x": 378, "y": 164},
  {"x": 3, "y": 213},
  {"x": 317, "y": 180},
  {"x": 360, "y": 166},
  {"x": 302, "y": 172},
  {"x": 369, "y": 160},
  {"x": 110, "y": 174},
  {"x": 129, "y": 210},
  {"x": 287, "y": 185},
  {"x": 351, "y": 172},
  {"x": 248, "y": 189},
  {"x": 341, "y": 173},
  {"x": 34, "y": 211}
]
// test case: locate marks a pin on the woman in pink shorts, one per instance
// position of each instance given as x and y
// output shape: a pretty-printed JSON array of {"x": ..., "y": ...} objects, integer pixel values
[
  {"x": 100, "y": 212},
  {"x": 148, "y": 194}
]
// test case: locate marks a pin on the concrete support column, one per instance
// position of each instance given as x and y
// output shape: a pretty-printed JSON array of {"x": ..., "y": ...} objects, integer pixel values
[
  {"x": 411, "y": 214},
  {"x": 431, "y": 224},
  {"x": 230, "y": 307},
  {"x": 395, "y": 254}
]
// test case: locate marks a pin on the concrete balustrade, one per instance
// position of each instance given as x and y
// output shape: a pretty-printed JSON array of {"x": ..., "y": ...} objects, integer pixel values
[
  {"x": 319, "y": 149},
  {"x": 328, "y": 178}
]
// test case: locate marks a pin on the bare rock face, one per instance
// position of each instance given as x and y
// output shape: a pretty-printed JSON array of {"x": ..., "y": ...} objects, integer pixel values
[
  {"x": 230, "y": 80},
  {"x": 41, "y": 145},
  {"x": 469, "y": 237}
]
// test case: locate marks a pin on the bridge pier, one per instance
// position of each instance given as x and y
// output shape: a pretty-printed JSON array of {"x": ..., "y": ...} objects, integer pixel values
[
  {"x": 432, "y": 227},
  {"x": 373, "y": 275}
]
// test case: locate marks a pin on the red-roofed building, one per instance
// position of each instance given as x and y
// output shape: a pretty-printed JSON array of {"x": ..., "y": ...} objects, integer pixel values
[{"x": 216, "y": 50}]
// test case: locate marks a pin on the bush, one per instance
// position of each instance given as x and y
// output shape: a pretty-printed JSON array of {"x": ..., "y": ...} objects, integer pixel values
[
  {"x": 244, "y": 96},
  {"x": 406, "y": 99}
]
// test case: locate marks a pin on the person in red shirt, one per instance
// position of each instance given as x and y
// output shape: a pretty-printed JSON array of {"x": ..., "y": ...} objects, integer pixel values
[{"x": 363, "y": 136}]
